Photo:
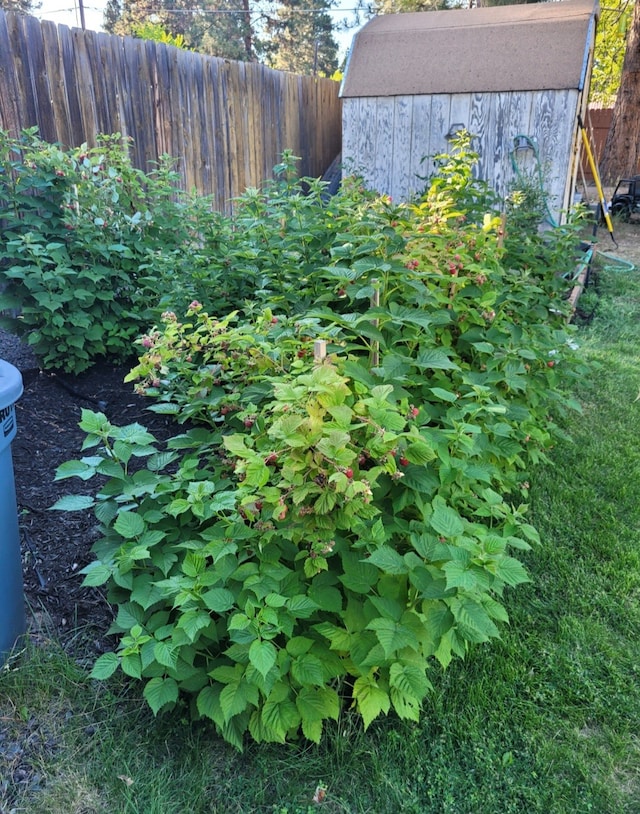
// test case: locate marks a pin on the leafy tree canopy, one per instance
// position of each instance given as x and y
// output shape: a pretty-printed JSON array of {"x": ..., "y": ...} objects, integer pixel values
[
  {"x": 611, "y": 38},
  {"x": 21, "y": 6}
]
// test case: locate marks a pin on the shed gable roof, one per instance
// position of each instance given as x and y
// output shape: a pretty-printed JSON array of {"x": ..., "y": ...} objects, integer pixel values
[{"x": 540, "y": 46}]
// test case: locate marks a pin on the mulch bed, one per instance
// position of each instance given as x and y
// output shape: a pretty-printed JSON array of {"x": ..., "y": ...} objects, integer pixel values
[{"x": 57, "y": 545}]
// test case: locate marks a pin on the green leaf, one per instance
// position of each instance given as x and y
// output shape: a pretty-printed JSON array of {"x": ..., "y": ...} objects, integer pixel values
[
  {"x": 419, "y": 453},
  {"x": 445, "y": 521},
  {"x": 388, "y": 560},
  {"x": 302, "y": 606},
  {"x": 132, "y": 665},
  {"x": 262, "y": 655},
  {"x": 511, "y": 572},
  {"x": 73, "y": 503},
  {"x": 279, "y": 713},
  {"x": 257, "y": 474},
  {"x": 316, "y": 705},
  {"x": 443, "y": 395},
  {"x": 459, "y": 576},
  {"x": 409, "y": 679},
  {"x": 307, "y": 670},
  {"x": 106, "y": 511},
  {"x": 129, "y": 525},
  {"x": 473, "y": 622},
  {"x": 234, "y": 698},
  {"x": 222, "y": 502},
  {"x": 219, "y": 600},
  {"x": 105, "y": 666},
  {"x": 160, "y": 692},
  {"x": 392, "y": 635},
  {"x": 370, "y": 700},
  {"x": 96, "y": 573},
  {"x": 435, "y": 360},
  {"x": 75, "y": 469},
  {"x": 192, "y": 622},
  {"x": 208, "y": 703},
  {"x": 165, "y": 654},
  {"x": 358, "y": 576}
]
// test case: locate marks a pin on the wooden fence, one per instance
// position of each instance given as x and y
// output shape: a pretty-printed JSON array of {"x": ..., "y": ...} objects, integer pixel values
[{"x": 226, "y": 123}]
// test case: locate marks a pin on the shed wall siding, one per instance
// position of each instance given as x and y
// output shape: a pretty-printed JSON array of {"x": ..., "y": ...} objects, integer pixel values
[{"x": 389, "y": 140}]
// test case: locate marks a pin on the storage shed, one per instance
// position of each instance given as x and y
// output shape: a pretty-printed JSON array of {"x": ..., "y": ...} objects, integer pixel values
[{"x": 501, "y": 72}]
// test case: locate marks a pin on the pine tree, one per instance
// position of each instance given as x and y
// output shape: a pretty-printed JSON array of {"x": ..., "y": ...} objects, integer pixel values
[{"x": 301, "y": 38}]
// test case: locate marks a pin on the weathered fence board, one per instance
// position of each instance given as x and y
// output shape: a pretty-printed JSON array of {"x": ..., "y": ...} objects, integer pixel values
[{"x": 225, "y": 123}]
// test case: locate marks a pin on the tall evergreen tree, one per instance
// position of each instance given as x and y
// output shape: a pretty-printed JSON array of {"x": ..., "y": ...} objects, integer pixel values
[{"x": 301, "y": 38}]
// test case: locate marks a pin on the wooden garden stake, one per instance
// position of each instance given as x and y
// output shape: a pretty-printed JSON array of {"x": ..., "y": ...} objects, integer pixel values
[
  {"x": 375, "y": 346},
  {"x": 319, "y": 351}
]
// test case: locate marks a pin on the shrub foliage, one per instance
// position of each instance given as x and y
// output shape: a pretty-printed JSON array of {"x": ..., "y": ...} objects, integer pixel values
[{"x": 329, "y": 526}]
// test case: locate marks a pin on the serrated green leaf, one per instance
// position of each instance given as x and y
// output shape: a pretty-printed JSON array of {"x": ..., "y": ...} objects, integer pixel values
[
  {"x": 74, "y": 469},
  {"x": 409, "y": 679},
  {"x": 388, "y": 560},
  {"x": 73, "y": 503},
  {"x": 446, "y": 522},
  {"x": 511, "y": 572},
  {"x": 105, "y": 666},
  {"x": 106, "y": 511},
  {"x": 312, "y": 730},
  {"x": 435, "y": 360},
  {"x": 165, "y": 654},
  {"x": 222, "y": 502},
  {"x": 406, "y": 706},
  {"x": 279, "y": 713},
  {"x": 262, "y": 655},
  {"x": 473, "y": 622},
  {"x": 257, "y": 474},
  {"x": 165, "y": 408},
  {"x": 392, "y": 635},
  {"x": 96, "y": 573},
  {"x": 129, "y": 525},
  {"x": 131, "y": 665},
  {"x": 208, "y": 703},
  {"x": 370, "y": 699},
  {"x": 459, "y": 576},
  {"x": 419, "y": 453},
  {"x": 218, "y": 600},
  {"x": 358, "y": 576},
  {"x": 160, "y": 692},
  {"x": 234, "y": 698},
  {"x": 443, "y": 395},
  {"x": 301, "y": 606},
  {"x": 307, "y": 670}
]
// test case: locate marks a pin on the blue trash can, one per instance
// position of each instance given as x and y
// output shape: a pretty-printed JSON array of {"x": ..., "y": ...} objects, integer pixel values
[{"x": 12, "y": 611}]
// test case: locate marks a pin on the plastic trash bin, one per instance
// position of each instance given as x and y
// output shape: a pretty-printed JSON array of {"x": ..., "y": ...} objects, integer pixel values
[{"x": 12, "y": 612}]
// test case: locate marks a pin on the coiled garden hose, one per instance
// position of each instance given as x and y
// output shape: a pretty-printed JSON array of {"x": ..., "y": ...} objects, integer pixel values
[{"x": 615, "y": 263}]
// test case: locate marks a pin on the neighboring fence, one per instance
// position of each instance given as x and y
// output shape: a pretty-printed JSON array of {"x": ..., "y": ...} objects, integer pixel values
[{"x": 225, "y": 122}]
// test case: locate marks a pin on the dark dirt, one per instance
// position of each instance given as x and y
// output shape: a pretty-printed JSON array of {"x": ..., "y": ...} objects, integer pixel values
[{"x": 57, "y": 545}]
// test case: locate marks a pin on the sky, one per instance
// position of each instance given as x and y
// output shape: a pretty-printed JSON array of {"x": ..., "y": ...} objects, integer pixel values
[{"x": 66, "y": 12}]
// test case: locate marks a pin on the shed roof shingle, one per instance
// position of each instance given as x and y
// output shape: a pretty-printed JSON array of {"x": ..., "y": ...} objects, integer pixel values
[{"x": 541, "y": 46}]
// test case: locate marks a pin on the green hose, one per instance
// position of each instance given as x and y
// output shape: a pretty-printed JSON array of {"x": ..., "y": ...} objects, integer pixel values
[{"x": 616, "y": 263}]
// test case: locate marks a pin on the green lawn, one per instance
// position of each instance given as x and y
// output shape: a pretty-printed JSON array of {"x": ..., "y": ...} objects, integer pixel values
[{"x": 546, "y": 720}]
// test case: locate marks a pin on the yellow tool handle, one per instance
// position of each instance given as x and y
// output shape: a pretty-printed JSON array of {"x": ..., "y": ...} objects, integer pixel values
[{"x": 596, "y": 177}]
